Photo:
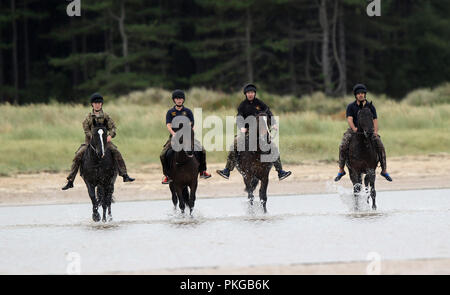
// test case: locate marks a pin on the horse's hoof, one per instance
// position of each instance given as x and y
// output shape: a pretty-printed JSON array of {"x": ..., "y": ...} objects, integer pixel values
[
  {"x": 110, "y": 218},
  {"x": 96, "y": 216},
  {"x": 374, "y": 207}
]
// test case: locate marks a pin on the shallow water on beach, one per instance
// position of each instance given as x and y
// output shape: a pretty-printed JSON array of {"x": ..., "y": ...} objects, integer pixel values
[{"x": 150, "y": 235}]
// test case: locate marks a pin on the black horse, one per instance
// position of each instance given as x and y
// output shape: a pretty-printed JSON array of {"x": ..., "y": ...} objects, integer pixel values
[
  {"x": 183, "y": 170},
  {"x": 362, "y": 155},
  {"x": 99, "y": 171},
  {"x": 249, "y": 163}
]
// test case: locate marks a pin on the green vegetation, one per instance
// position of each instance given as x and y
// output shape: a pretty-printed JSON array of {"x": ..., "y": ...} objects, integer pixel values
[
  {"x": 285, "y": 46},
  {"x": 44, "y": 137}
]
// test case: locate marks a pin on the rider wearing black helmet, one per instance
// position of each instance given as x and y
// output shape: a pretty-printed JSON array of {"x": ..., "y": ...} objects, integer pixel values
[
  {"x": 251, "y": 106},
  {"x": 97, "y": 116},
  {"x": 360, "y": 91},
  {"x": 178, "y": 97}
]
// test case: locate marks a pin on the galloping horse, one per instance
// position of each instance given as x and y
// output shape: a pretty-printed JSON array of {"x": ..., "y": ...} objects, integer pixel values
[
  {"x": 250, "y": 165},
  {"x": 183, "y": 170},
  {"x": 99, "y": 171},
  {"x": 362, "y": 155}
]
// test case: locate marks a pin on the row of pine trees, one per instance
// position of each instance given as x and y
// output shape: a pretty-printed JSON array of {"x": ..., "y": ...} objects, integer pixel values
[{"x": 284, "y": 46}]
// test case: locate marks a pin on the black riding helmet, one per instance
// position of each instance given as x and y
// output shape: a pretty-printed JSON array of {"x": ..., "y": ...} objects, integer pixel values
[
  {"x": 358, "y": 88},
  {"x": 178, "y": 94},
  {"x": 249, "y": 87},
  {"x": 96, "y": 97}
]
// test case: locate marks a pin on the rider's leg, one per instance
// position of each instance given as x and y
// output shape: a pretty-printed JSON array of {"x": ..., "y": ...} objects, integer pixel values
[
  {"x": 162, "y": 157},
  {"x": 343, "y": 152},
  {"x": 231, "y": 161},
  {"x": 281, "y": 173},
  {"x": 120, "y": 162},
  {"x": 202, "y": 159},
  {"x": 277, "y": 163},
  {"x": 382, "y": 155},
  {"x": 75, "y": 165}
]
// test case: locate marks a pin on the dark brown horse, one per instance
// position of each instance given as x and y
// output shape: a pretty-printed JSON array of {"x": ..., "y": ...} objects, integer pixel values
[
  {"x": 363, "y": 156},
  {"x": 183, "y": 170},
  {"x": 250, "y": 165},
  {"x": 99, "y": 171}
]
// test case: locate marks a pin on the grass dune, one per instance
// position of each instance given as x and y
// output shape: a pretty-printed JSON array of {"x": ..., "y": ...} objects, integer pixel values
[{"x": 44, "y": 137}]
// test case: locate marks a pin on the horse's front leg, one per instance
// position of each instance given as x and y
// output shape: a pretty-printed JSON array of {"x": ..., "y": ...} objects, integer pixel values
[
  {"x": 179, "y": 192},
  {"x": 109, "y": 199},
  {"x": 373, "y": 192},
  {"x": 174, "y": 195},
  {"x": 248, "y": 189},
  {"x": 263, "y": 192},
  {"x": 357, "y": 183},
  {"x": 91, "y": 192},
  {"x": 192, "y": 197},
  {"x": 366, "y": 185},
  {"x": 102, "y": 195}
]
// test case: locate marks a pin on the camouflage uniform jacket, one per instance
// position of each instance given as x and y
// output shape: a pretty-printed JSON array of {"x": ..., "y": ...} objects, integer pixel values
[{"x": 103, "y": 119}]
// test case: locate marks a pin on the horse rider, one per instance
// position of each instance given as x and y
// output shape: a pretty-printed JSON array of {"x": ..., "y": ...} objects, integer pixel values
[
  {"x": 360, "y": 91},
  {"x": 251, "y": 106},
  {"x": 179, "y": 109},
  {"x": 97, "y": 117}
]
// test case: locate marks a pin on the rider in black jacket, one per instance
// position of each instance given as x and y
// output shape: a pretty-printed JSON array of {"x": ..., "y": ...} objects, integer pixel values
[{"x": 251, "y": 106}]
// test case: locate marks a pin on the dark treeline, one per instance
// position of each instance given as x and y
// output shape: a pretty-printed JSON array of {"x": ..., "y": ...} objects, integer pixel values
[{"x": 285, "y": 46}]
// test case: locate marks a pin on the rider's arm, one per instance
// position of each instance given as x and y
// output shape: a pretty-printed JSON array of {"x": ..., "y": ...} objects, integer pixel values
[
  {"x": 111, "y": 127},
  {"x": 239, "y": 118},
  {"x": 375, "y": 119},
  {"x": 87, "y": 127},
  {"x": 273, "y": 122},
  {"x": 351, "y": 124},
  {"x": 169, "y": 127}
]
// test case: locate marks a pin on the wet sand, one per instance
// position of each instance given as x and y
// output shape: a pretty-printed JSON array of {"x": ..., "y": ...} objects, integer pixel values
[
  {"x": 412, "y": 172},
  {"x": 388, "y": 267}
]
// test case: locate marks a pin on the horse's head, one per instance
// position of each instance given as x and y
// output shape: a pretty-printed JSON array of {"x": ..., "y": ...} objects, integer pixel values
[
  {"x": 365, "y": 120},
  {"x": 98, "y": 141},
  {"x": 263, "y": 123},
  {"x": 186, "y": 141}
]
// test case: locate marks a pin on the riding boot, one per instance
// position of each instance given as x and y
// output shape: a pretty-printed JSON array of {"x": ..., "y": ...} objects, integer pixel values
[
  {"x": 127, "y": 178},
  {"x": 68, "y": 185},
  {"x": 231, "y": 163},
  {"x": 279, "y": 168}
]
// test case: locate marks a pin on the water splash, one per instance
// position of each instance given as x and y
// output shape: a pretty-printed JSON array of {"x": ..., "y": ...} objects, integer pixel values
[{"x": 354, "y": 202}]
